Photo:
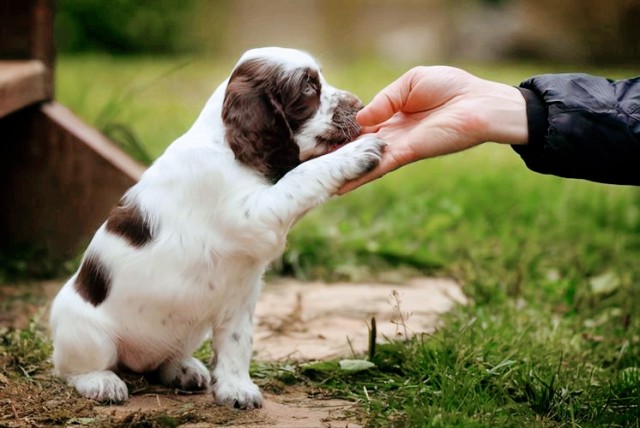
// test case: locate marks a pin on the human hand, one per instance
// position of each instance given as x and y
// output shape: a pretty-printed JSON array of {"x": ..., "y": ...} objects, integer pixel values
[{"x": 432, "y": 111}]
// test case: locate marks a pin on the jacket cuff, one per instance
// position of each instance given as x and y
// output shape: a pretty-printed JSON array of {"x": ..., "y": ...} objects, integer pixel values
[{"x": 537, "y": 122}]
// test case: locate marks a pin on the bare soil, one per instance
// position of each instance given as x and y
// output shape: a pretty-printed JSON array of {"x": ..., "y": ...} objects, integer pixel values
[{"x": 294, "y": 322}]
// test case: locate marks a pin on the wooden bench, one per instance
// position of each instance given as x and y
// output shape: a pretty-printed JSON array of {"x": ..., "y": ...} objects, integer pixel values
[
  {"x": 58, "y": 176},
  {"x": 21, "y": 83}
]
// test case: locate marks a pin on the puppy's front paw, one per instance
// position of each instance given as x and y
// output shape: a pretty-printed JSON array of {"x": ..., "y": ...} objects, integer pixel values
[
  {"x": 239, "y": 393},
  {"x": 189, "y": 373},
  {"x": 363, "y": 155},
  {"x": 100, "y": 386}
]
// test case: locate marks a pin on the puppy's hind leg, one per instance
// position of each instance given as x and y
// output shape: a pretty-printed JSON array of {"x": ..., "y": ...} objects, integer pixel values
[
  {"x": 187, "y": 373},
  {"x": 84, "y": 355},
  {"x": 102, "y": 385}
]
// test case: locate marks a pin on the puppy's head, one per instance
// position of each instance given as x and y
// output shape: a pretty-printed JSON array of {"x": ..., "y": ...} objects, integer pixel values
[{"x": 278, "y": 111}]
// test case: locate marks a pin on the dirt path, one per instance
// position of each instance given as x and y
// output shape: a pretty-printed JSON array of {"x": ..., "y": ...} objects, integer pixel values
[
  {"x": 313, "y": 321},
  {"x": 294, "y": 322},
  {"x": 295, "y": 408}
]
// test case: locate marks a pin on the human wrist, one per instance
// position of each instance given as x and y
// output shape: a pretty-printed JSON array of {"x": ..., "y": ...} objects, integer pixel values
[
  {"x": 537, "y": 115},
  {"x": 507, "y": 115}
]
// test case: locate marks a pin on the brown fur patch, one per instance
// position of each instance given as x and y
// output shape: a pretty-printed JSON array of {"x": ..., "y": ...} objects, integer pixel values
[
  {"x": 264, "y": 107},
  {"x": 93, "y": 281},
  {"x": 127, "y": 221}
]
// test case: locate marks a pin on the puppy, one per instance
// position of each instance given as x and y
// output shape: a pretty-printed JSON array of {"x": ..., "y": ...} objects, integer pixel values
[{"x": 183, "y": 254}]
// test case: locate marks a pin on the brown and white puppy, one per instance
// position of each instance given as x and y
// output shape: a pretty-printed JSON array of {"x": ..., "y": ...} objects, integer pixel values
[{"x": 183, "y": 255}]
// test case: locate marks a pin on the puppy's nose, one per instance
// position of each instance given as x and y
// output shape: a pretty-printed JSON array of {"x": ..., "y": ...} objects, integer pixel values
[
  {"x": 353, "y": 102},
  {"x": 348, "y": 106}
]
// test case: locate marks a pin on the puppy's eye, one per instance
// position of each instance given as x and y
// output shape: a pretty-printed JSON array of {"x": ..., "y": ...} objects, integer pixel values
[{"x": 310, "y": 90}]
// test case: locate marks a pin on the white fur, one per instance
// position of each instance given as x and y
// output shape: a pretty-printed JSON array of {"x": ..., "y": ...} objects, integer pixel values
[{"x": 216, "y": 225}]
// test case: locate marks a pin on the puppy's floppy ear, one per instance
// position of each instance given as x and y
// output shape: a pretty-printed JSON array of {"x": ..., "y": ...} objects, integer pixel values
[{"x": 255, "y": 122}]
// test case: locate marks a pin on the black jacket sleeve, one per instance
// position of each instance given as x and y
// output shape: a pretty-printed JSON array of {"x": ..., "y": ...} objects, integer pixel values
[{"x": 582, "y": 126}]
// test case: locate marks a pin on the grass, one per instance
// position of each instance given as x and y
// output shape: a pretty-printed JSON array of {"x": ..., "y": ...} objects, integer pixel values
[
  {"x": 500, "y": 366},
  {"x": 551, "y": 265}
]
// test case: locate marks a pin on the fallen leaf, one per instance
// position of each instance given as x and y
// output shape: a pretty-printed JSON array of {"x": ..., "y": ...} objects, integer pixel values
[
  {"x": 604, "y": 284},
  {"x": 355, "y": 365}
]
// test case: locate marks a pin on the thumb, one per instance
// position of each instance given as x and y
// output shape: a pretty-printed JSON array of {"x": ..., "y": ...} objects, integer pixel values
[{"x": 386, "y": 103}]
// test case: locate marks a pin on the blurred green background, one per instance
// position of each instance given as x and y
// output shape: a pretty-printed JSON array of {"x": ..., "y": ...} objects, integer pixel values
[{"x": 587, "y": 31}]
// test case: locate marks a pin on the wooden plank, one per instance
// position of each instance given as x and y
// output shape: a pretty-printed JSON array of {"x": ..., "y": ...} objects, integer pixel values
[
  {"x": 41, "y": 33},
  {"x": 93, "y": 139},
  {"x": 22, "y": 83},
  {"x": 16, "y": 20},
  {"x": 41, "y": 36},
  {"x": 58, "y": 180},
  {"x": 26, "y": 33}
]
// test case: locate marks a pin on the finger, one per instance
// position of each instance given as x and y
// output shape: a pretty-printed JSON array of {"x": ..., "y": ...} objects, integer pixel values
[
  {"x": 386, "y": 103},
  {"x": 369, "y": 129}
]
